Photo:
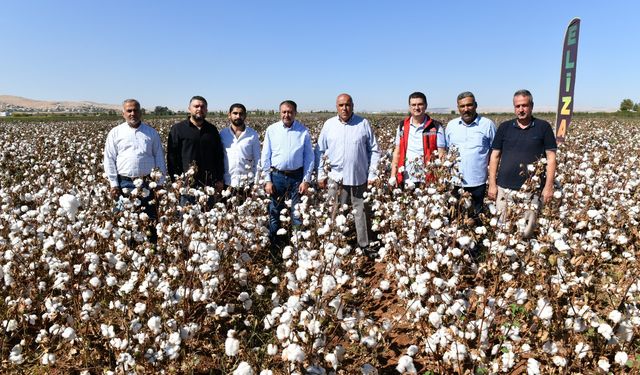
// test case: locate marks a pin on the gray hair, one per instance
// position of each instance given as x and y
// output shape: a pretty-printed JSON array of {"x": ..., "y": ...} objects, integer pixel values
[
  {"x": 466, "y": 94},
  {"x": 525, "y": 93},
  {"x": 127, "y": 101}
]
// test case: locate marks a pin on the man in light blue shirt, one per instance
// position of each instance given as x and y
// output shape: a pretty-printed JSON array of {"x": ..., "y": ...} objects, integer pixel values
[
  {"x": 348, "y": 154},
  {"x": 287, "y": 164},
  {"x": 472, "y": 135}
]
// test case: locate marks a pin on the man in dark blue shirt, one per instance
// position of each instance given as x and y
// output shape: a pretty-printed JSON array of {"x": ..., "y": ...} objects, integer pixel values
[{"x": 518, "y": 143}]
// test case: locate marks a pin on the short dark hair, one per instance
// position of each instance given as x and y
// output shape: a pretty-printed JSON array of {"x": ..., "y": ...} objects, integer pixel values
[
  {"x": 418, "y": 95},
  {"x": 526, "y": 93},
  {"x": 238, "y": 105},
  {"x": 126, "y": 101},
  {"x": 467, "y": 94},
  {"x": 290, "y": 103},
  {"x": 200, "y": 98}
]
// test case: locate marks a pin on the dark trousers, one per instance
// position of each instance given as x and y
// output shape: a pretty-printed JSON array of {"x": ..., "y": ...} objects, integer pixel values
[
  {"x": 477, "y": 197},
  {"x": 149, "y": 208}
]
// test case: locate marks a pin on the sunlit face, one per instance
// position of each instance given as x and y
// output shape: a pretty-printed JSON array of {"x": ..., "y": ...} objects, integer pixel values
[
  {"x": 237, "y": 116},
  {"x": 131, "y": 113},
  {"x": 467, "y": 108},
  {"x": 198, "y": 110},
  {"x": 523, "y": 107},
  {"x": 344, "y": 105},
  {"x": 417, "y": 107},
  {"x": 287, "y": 114}
]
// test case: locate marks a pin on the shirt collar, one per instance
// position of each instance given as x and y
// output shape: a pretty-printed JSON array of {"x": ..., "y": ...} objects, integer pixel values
[
  {"x": 531, "y": 124},
  {"x": 475, "y": 121}
]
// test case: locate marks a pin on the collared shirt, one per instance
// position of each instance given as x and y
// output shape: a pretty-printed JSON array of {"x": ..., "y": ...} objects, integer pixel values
[
  {"x": 474, "y": 145},
  {"x": 241, "y": 156},
  {"x": 188, "y": 144},
  {"x": 132, "y": 152},
  {"x": 351, "y": 151},
  {"x": 520, "y": 147},
  {"x": 287, "y": 149},
  {"x": 415, "y": 149}
]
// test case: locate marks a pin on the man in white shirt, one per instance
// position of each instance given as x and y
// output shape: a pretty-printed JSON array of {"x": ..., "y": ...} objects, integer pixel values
[
  {"x": 241, "y": 146},
  {"x": 132, "y": 151}
]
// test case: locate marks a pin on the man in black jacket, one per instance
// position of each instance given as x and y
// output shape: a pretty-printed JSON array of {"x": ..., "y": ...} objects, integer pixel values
[{"x": 197, "y": 142}]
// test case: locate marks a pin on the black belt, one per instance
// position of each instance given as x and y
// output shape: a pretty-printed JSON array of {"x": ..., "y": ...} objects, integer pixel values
[
  {"x": 287, "y": 173},
  {"x": 126, "y": 178}
]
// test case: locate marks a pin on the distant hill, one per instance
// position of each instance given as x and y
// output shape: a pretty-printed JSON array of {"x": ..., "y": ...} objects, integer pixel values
[{"x": 10, "y": 103}]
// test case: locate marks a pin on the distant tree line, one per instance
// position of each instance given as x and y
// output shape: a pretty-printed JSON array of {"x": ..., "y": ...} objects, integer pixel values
[{"x": 628, "y": 105}]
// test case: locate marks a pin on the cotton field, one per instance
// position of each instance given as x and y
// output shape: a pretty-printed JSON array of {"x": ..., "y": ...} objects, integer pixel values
[{"x": 84, "y": 292}]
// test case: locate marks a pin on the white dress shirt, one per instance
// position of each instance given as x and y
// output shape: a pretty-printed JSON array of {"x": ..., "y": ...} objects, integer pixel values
[
  {"x": 132, "y": 152},
  {"x": 241, "y": 156}
]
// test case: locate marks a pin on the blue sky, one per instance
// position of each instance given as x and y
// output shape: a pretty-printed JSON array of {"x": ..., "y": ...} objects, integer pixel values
[{"x": 262, "y": 52}]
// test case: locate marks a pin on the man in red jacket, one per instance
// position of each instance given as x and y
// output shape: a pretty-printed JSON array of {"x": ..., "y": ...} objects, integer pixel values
[{"x": 418, "y": 137}]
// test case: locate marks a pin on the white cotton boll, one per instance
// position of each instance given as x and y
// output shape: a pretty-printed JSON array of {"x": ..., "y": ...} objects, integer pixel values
[
  {"x": 243, "y": 369},
  {"x": 621, "y": 358},
  {"x": 603, "y": 363},
  {"x": 557, "y": 194},
  {"x": 405, "y": 365},
  {"x": 10, "y": 326},
  {"x": 286, "y": 252},
  {"x": 384, "y": 285},
  {"x": 110, "y": 279},
  {"x": 69, "y": 334},
  {"x": 155, "y": 324},
  {"x": 15, "y": 356},
  {"x": 340, "y": 220},
  {"x": 456, "y": 252},
  {"x": 48, "y": 359},
  {"x": 272, "y": 349},
  {"x": 69, "y": 204},
  {"x": 231, "y": 346},
  {"x": 435, "y": 319},
  {"x": 260, "y": 289},
  {"x": 543, "y": 309},
  {"x": 368, "y": 369},
  {"x": 464, "y": 240},
  {"x": 605, "y": 330},
  {"x": 293, "y": 353},
  {"x": 332, "y": 360},
  {"x": 559, "y": 361},
  {"x": 412, "y": 350},
  {"x": 281, "y": 232},
  {"x": 87, "y": 294},
  {"x": 436, "y": 224},
  {"x": 266, "y": 372},
  {"x": 140, "y": 308},
  {"x": 377, "y": 294},
  {"x": 328, "y": 284},
  {"x": 283, "y": 331},
  {"x": 582, "y": 349},
  {"x": 615, "y": 316},
  {"x": 533, "y": 367},
  {"x": 507, "y": 277}
]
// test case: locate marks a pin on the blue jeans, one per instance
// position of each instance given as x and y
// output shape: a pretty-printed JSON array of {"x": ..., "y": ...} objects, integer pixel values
[{"x": 284, "y": 187}]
